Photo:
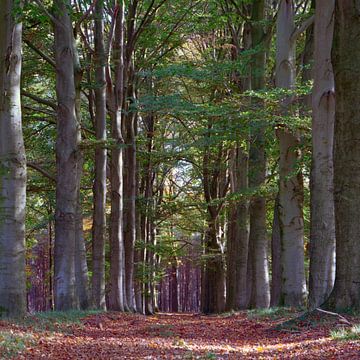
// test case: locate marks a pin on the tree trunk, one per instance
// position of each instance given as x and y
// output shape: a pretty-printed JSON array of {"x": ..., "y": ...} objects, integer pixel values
[
  {"x": 130, "y": 207},
  {"x": 346, "y": 57},
  {"x": 99, "y": 215},
  {"x": 67, "y": 153},
  {"x": 291, "y": 185},
  {"x": 12, "y": 167},
  {"x": 238, "y": 237},
  {"x": 276, "y": 257},
  {"x": 117, "y": 298},
  {"x": 322, "y": 230},
  {"x": 81, "y": 268},
  {"x": 258, "y": 242}
]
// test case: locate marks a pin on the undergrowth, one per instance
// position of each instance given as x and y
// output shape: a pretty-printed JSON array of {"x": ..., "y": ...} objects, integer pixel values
[{"x": 346, "y": 334}]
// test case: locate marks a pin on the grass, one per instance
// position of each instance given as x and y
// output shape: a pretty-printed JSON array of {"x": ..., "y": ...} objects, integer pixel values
[
  {"x": 13, "y": 343},
  {"x": 56, "y": 320},
  {"x": 273, "y": 313},
  {"x": 346, "y": 334},
  {"x": 15, "y": 340}
]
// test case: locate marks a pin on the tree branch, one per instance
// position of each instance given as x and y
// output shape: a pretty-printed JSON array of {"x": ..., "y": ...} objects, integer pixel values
[
  {"x": 304, "y": 25},
  {"x": 41, "y": 171},
  {"x": 39, "y": 99},
  {"x": 39, "y": 52}
]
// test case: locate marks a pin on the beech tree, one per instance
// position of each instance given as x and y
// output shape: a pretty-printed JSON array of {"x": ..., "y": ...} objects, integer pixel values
[
  {"x": 12, "y": 165},
  {"x": 346, "y": 292},
  {"x": 322, "y": 236}
]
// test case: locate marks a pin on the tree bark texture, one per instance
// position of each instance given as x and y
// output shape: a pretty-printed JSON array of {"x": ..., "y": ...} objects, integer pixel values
[
  {"x": 322, "y": 230},
  {"x": 259, "y": 289},
  {"x": 67, "y": 153},
  {"x": 346, "y": 57},
  {"x": 12, "y": 167},
  {"x": 117, "y": 296},
  {"x": 99, "y": 190},
  {"x": 291, "y": 184}
]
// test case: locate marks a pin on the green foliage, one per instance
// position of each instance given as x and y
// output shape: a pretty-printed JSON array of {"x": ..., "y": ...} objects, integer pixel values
[
  {"x": 346, "y": 334},
  {"x": 13, "y": 343}
]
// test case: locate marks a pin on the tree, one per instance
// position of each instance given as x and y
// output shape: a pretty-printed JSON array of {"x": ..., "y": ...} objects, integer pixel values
[
  {"x": 99, "y": 216},
  {"x": 345, "y": 57},
  {"x": 259, "y": 290},
  {"x": 291, "y": 221},
  {"x": 322, "y": 235},
  {"x": 12, "y": 165},
  {"x": 67, "y": 156}
]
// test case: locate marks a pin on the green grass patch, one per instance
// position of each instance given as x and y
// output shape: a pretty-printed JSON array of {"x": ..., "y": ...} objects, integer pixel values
[
  {"x": 346, "y": 334},
  {"x": 56, "y": 320},
  {"x": 14, "y": 343},
  {"x": 273, "y": 313}
]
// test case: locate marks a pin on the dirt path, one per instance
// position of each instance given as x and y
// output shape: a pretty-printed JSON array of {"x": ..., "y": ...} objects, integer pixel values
[{"x": 186, "y": 336}]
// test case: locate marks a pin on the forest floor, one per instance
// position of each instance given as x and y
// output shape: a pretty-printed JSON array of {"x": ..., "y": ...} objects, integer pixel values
[{"x": 267, "y": 334}]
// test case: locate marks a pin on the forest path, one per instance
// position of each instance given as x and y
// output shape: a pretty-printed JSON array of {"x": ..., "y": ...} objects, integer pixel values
[{"x": 185, "y": 336}]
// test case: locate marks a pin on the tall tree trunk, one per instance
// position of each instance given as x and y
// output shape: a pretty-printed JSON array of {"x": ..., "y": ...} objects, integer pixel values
[
  {"x": 237, "y": 251},
  {"x": 346, "y": 57},
  {"x": 276, "y": 257},
  {"x": 130, "y": 207},
  {"x": 67, "y": 153},
  {"x": 258, "y": 242},
  {"x": 81, "y": 268},
  {"x": 117, "y": 298},
  {"x": 99, "y": 215},
  {"x": 322, "y": 225},
  {"x": 291, "y": 185},
  {"x": 12, "y": 166}
]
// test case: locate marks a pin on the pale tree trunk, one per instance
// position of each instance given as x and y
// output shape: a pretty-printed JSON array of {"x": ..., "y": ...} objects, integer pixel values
[
  {"x": 12, "y": 167},
  {"x": 67, "y": 153},
  {"x": 117, "y": 296},
  {"x": 291, "y": 186},
  {"x": 346, "y": 57},
  {"x": 99, "y": 214},
  {"x": 259, "y": 288},
  {"x": 322, "y": 231}
]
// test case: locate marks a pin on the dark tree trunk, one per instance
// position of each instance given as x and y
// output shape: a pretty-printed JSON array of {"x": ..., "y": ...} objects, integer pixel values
[{"x": 346, "y": 57}]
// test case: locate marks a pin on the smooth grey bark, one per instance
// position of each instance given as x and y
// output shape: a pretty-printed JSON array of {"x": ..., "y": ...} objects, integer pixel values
[
  {"x": 129, "y": 207},
  {"x": 291, "y": 186},
  {"x": 345, "y": 58},
  {"x": 258, "y": 274},
  {"x": 238, "y": 223},
  {"x": 322, "y": 223},
  {"x": 117, "y": 297},
  {"x": 99, "y": 188},
  {"x": 276, "y": 257},
  {"x": 12, "y": 167},
  {"x": 238, "y": 234},
  {"x": 81, "y": 268},
  {"x": 67, "y": 154}
]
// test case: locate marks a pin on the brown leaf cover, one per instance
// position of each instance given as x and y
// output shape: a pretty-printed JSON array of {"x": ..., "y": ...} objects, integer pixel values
[{"x": 186, "y": 336}]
